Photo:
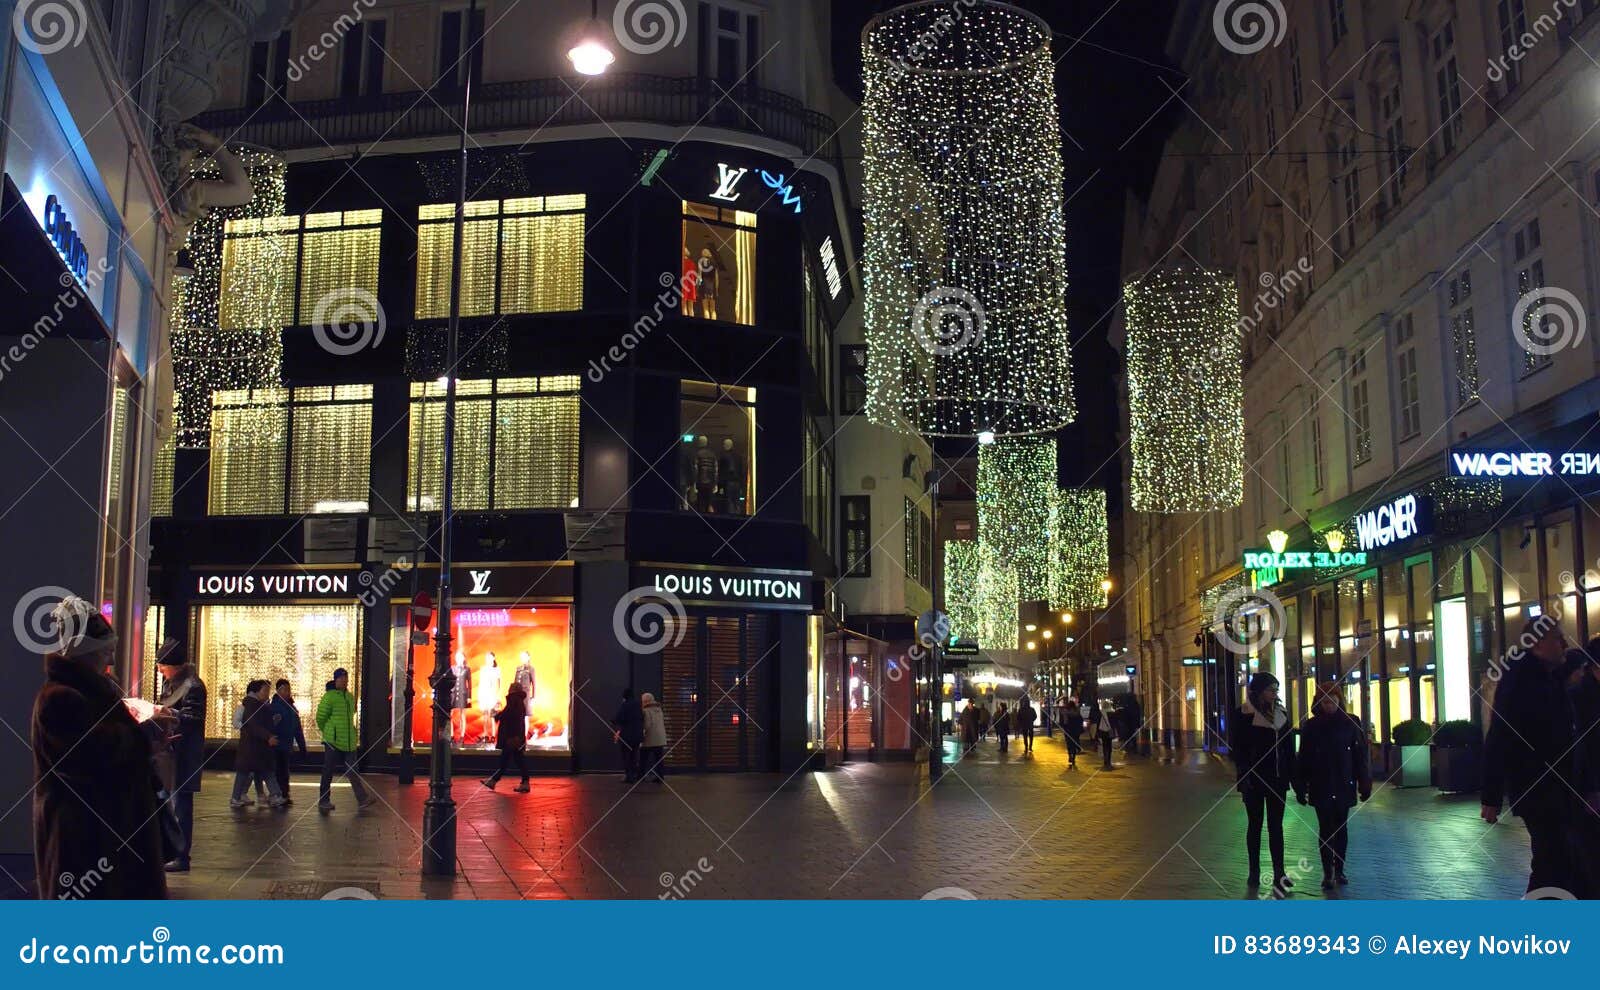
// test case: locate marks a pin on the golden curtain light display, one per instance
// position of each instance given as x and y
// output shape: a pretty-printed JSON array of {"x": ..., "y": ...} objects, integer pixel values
[
  {"x": 980, "y": 595},
  {"x": 1080, "y": 549},
  {"x": 1016, "y": 491},
  {"x": 522, "y": 255},
  {"x": 965, "y": 267},
  {"x": 1185, "y": 390}
]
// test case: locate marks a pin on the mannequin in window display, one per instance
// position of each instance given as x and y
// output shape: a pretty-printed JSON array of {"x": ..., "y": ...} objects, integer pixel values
[
  {"x": 705, "y": 474},
  {"x": 488, "y": 693},
  {"x": 525, "y": 680},
  {"x": 730, "y": 477},
  {"x": 460, "y": 695},
  {"x": 710, "y": 282},
  {"x": 689, "y": 283}
]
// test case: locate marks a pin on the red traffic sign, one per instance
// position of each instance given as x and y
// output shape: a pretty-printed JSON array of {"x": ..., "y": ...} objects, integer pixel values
[{"x": 421, "y": 611}]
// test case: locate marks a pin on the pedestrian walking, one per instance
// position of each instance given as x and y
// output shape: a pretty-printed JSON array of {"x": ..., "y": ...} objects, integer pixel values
[
  {"x": 983, "y": 721},
  {"x": 1105, "y": 731},
  {"x": 336, "y": 721},
  {"x": 1072, "y": 729},
  {"x": 511, "y": 738},
  {"x": 257, "y": 740},
  {"x": 1132, "y": 723},
  {"x": 1002, "y": 726},
  {"x": 1527, "y": 754},
  {"x": 1027, "y": 715},
  {"x": 627, "y": 728},
  {"x": 969, "y": 727},
  {"x": 95, "y": 811},
  {"x": 1261, "y": 741},
  {"x": 291, "y": 734},
  {"x": 653, "y": 746},
  {"x": 1334, "y": 768},
  {"x": 239, "y": 713},
  {"x": 183, "y": 713}
]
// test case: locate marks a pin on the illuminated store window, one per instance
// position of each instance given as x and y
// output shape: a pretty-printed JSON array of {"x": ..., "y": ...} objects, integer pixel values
[
  {"x": 302, "y": 644},
  {"x": 161, "y": 475},
  {"x": 719, "y": 264},
  {"x": 518, "y": 256},
  {"x": 716, "y": 448},
  {"x": 818, "y": 490},
  {"x": 496, "y": 647},
  {"x": 516, "y": 444},
  {"x": 331, "y": 258},
  {"x": 155, "y": 620},
  {"x": 276, "y": 450}
]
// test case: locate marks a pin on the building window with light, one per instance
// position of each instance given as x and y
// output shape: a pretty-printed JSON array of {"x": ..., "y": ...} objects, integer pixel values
[
  {"x": 281, "y": 451},
  {"x": 852, "y": 379},
  {"x": 522, "y": 255},
  {"x": 855, "y": 550},
  {"x": 516, "y": 444},
  {"x": 299, "y": 270},
  {"x": 719, "y": 264},
  {"x": 1360, "y": 410},
  {"x": 1463, "y": 337},
  {"x": 1527, "y": 254},
  {"x": 717, "y": 448}
]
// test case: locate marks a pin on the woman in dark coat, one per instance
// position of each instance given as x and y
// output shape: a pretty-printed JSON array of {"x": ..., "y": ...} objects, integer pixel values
[
  {"x": 1002, "y": 726},
  {"x": 257, "y": 742},
  {"x": 1072, "y": 728},
  {"x": 510, "y": 737},
  {"x": 95, "y": 829},
  {"x": 184, "y": 713},
  {"x": 1261, "y": 741},
  {"x": 1335, "y": 769}
]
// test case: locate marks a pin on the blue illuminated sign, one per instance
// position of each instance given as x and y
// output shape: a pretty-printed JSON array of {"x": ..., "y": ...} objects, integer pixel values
[{"x": 59, "y": 229}]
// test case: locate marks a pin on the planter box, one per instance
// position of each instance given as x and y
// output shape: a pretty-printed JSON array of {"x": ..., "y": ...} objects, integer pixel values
[
  {"x": 1416, "y": 766},
  {"x": 1457, "y": 769}
]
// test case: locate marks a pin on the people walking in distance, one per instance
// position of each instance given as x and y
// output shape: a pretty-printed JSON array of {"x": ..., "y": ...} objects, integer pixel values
[
  {"x": 511, "y": 738},
  {"x": 1527, "y": 754},
  {"x": 1027, "y": 715},
  {"x": 1262, "y": 744},
  {"x": 653, "y": 746},
  {"x": 291, "y": 734},
  {"x": 1132, "y": 723},
  {"x": 1072, "y": 729},
  {"x": 336, "y": 721},
  {"x": 1002, "y": 726},
  {"x": 1586, "y": 767},
  {"x": 183, "y": 709},
  {"x": 239, "y": 712},
  {"x": 983, "y": 721},
  {"x": 969, "y": 727},
  {"x": 95, "y": 809},
  {"x": 627, "y": 729},
  {"x": 257, "y": 740},
  {"x": 1065, "y": 707},
  {"x": 1334, "y": 769},
  {"x": 1105, "y": 731}
]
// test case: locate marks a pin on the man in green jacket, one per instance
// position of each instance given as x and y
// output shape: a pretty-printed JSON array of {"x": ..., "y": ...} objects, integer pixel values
[{"x": 336, "y": 720}]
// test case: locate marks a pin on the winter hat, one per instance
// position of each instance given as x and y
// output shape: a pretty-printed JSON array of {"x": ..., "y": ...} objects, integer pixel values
[
  {"x": 168, "y": 656},
  {"x": 1259, "y": 682},
  {"x": 79, "y": 629}
]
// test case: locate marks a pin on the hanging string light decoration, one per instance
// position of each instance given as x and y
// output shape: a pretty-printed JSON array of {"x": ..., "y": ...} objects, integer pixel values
[
  {"x": 965, "y": 259},
  {"x": 206, "y": 358},
  {"x": 1185, "y": 390},
  {"x": 1080, "y": 549},
  {"x": 1015, "y": 492},
  {"x": 980, "y": 595}
]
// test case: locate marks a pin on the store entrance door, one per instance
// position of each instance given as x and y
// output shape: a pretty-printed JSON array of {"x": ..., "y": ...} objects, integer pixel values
[{"x": 714, "y": 694}]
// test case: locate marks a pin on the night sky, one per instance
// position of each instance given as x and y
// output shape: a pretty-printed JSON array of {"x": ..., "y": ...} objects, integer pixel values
[{"x": 1105, "y": 97}]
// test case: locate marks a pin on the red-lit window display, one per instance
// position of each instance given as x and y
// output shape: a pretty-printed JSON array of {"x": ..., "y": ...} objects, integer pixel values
[{"x": 495, "y": 647}]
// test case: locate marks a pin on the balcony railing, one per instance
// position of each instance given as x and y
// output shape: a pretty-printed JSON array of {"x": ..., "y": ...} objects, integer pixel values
[{"x": 680, "y": 101}]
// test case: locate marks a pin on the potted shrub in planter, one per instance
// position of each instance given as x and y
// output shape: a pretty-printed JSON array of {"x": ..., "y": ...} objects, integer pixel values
[
  {"x": 1456, "y": 760},
  {"x": 1416, "y": 763}
]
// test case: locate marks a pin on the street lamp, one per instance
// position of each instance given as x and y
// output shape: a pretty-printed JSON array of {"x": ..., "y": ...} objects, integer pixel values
[
  {"x": 591, "y": 56},
  {"x": 1106, "y": 586}
]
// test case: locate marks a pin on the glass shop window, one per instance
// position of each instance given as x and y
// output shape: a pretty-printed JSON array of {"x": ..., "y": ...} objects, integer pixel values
[
  {"x": 295, "y": 271},
  {"x": 302, "y": 644},
  {"x": 716, "y": 448},
  {"x": 516, "y": 444},
  {"x": 278, "y": 451},
  {"x": 719, "y": 264},
  {"x": 518, "y": 256}
]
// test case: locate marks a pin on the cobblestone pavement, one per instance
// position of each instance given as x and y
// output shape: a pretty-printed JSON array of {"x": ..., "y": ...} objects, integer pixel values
[{"x": 1000, "y": 826}]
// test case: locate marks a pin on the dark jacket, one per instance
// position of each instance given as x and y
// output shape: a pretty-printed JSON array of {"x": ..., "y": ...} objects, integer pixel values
[
  {"x": 94, "y": 798},
  {"x": 286, "y": 726},
  {"x": 1026, "y": 716},
  {"x": 187, "y": 697},
  {"x": 512, "y": 734},
  {"x": 1334, "y": 763},
  {"x": 255, "y": 738},
  {"x": 1072, "y": 721},
  {"x": 629, "y": 722},
  {"x": 1002, "y": 723},
  {"x": 1263, "y": 756},
  {"x": 1527, "y": 753},
  {"x": 1586, "y": 722}
]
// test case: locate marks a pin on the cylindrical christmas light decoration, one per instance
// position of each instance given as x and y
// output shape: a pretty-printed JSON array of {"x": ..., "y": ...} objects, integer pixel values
[
  {"x": 1185, "y": 390},
  {"x": 962, "y": 567},
  {"x": 965, "y": 263},
  {"x": 980, "y": 595},
  {"x": 1015, "y": 492},
  {"x": 1080, "y": 549}
]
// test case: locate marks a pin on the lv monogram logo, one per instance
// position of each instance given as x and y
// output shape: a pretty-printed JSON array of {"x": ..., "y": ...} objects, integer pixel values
[
  {"x": 480, "y": 582},
  {"x": 728, "y": 183}
]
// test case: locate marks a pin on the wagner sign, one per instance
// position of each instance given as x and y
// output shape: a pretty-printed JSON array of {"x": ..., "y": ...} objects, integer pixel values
[
  {"x": 713, "y": 586},
  {"x": 1404, "y": 518},
  {"x": 1523, "y": 464}
]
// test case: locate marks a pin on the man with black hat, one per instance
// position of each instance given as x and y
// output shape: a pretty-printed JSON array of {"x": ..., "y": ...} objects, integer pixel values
[
  {"x": 183, "y": 703},
  {"x": 336, "y": 720}
]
